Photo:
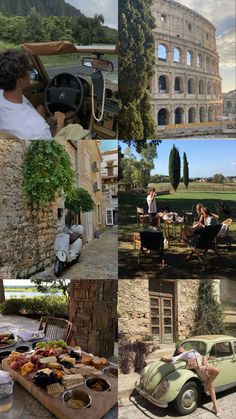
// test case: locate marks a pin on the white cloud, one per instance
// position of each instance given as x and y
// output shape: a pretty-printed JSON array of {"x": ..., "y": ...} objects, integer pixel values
[
  {"x": 108, "y": 8},
  {"x": 226, "y": 48},
  {"x": 216, "y": 11}
]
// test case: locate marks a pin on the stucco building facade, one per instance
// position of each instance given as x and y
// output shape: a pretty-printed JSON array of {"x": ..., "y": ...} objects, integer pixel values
[
  {"x": 109, "y": 168},
  {"x": 186, "y": 89}
]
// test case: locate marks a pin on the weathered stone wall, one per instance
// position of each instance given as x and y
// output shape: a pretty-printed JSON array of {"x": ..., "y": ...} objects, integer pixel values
[
  {"x": 134, "y": 308},
  {"x": 186, "y": 298},
  {"x": 93, "y": 311},
  {"x": 181, "y": 31},
  {"x": 26, "y": 231}
]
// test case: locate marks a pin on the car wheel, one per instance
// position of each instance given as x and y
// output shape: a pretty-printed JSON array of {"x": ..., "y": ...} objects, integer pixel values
[
  {"x": 58, "y": 267},
  {"x": 188, "y": 398}
]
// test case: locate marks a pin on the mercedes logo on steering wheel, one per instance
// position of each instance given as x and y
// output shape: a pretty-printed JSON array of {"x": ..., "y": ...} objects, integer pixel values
[{"x": 62, "y": 95}]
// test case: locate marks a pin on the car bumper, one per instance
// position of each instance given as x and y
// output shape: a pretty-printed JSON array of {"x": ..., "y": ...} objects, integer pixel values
[{"x": 150, "y": 398}]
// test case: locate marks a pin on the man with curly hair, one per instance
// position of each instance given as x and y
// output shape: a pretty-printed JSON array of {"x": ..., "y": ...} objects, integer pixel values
[{"x": 17, "y": 115}]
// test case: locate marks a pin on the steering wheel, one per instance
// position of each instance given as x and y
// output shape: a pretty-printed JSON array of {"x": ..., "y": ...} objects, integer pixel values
[{"x": 66, "y": 96}]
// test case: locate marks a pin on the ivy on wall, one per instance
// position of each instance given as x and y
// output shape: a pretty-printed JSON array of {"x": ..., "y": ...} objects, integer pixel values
[{"x": 47, "y": 172}]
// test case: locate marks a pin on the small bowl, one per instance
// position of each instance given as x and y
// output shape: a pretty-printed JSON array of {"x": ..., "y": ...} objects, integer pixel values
[
  {"x": 4, "y": 355},
  {"x": 77, "y": 394},
  {"x": 22, "y": 349},
  {"x": 110, "y": 371},
  {"x": 91, "y": 381}
]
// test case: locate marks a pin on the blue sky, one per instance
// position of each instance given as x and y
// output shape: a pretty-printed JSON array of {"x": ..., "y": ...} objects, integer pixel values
[
  {"x": 222, "y": 14},
  {"x": 108, "y": 145},
  {"x": 205, "y": 157}
]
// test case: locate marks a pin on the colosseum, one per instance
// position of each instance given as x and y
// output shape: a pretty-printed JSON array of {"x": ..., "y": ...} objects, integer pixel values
[{"x": 186, "y": 90}]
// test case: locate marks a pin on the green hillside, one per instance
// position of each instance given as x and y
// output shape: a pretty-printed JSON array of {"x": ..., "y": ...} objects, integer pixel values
[{"x": 43, "y": 7}]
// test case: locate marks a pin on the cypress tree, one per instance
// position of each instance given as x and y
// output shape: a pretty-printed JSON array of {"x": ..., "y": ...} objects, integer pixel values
[
  {"x": 136, "y": 69},
  {"x": 185, "y": 171},
  {"x": 208, "y": 313},
  {"x": 174, "y": 167}
]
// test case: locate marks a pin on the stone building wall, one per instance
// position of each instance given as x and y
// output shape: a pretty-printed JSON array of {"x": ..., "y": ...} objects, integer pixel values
[
  {"x": 186, "y": 87},
  {"x": 26, "y": 231},
  {"x": 93, "y": 312},
  {"x": 186, "y": 299},
  {"x": 134, "y": 308}
]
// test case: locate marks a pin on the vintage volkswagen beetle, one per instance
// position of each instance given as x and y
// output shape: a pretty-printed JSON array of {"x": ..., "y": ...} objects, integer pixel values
[{"x": 162, "y": 383}]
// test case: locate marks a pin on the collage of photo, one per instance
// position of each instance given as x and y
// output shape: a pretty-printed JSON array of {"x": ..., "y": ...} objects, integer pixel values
[{"x": 117, "y": 209}]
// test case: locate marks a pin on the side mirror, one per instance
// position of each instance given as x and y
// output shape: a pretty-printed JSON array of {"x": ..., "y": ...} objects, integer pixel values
[{"x": 98, "y": 64}]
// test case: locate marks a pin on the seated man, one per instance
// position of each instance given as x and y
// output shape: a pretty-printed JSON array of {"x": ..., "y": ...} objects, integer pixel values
[{"x": 17, "y": 114}]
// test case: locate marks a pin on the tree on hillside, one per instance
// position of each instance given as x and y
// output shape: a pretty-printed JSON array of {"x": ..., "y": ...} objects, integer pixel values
[
  {"x": 218, "y": 178},
  {"x": 141, "y": 144},
  {"x": 174, "y": 167},
  {"x": 185, "y": 171},
  {"x": 136, "y": 69},
  {"x": 208, "y": 312},
  {"x": 2, "y": 292},
  {"x": 34, "y": 27}
]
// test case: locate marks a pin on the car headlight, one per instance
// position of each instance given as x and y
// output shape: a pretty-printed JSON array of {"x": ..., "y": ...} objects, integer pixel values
[{"x": 162, "y": 388}]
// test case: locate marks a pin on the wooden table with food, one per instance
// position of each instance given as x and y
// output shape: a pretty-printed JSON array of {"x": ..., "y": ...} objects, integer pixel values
[{"x": 65, "y": 380}]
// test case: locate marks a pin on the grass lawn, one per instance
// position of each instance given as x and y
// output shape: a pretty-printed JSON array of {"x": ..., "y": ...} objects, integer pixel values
[{"x": 175, "y": 255}]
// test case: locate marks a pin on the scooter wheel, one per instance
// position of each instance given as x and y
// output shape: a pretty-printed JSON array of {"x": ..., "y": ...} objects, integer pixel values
[{"x": 58, "y": 267}]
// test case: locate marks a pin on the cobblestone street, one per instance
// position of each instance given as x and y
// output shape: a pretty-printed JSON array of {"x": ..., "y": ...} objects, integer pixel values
[
  {"x": 98, "y": 260},
  {"x": 139, "y": 408}
]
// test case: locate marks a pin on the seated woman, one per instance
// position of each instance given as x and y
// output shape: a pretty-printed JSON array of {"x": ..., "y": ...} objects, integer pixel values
[
  {"x": 17, "y": 114},
  {"x": 188, "y": 232},
  {"x": 206, "y": 372},
  {"x": 210, "y": 219}
]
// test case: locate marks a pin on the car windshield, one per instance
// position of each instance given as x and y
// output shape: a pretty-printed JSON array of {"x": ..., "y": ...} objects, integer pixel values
[
  {"x": 72, "y": 63},
  {"x": 194, "y": 344}
]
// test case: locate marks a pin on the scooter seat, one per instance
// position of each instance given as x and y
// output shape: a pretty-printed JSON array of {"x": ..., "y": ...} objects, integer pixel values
[{"x": 73, "y": 237}]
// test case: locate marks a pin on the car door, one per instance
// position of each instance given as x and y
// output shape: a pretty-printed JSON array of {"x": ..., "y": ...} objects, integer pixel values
[{"x": 222, "y": 356}]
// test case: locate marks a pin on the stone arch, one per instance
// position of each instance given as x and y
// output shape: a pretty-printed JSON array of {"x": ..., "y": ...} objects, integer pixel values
[
  {"x": 200, "y": 60},
  {"x": 209, "y": 87},
  {"x": 215, "y": 88},
  {"x": 178, "y": 85},
  {"x": 228, "y": 104},
  {"x": 202, "y": 114},
  {"x": 210, "y": 113},
  {"x": 163, "y": 84},
  {"x": 189, "y": 58},
  {"x": 191, "y": 115},
  {"x": 163, "y": 116},
  {"x": 176, "y": 55},
  {"x": 191, "y": 86},
  {"x": 208, "y": 64},
  {"x": 201, "y": 87},
  {"x": 162, "y": 52},
  {"x": 179, "y": 115}
]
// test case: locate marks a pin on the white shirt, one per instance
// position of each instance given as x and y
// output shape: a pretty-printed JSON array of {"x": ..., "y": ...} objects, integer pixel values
[
  {"x": 185, "y": 356},
  {"x": 22, "y": 120},
  {"x": 211, "y": 221},
  {"x": 152, "y": 208}
]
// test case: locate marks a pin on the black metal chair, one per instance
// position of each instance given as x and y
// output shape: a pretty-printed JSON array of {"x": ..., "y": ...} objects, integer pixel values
[
  {"x": 203, "y": 242},
  {"x": 152, "y": 242},
  {"x": 188, "y": 217}
]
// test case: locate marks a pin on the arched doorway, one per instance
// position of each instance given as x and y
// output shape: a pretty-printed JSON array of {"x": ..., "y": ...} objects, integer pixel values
[
  {"x": 191, "y": 115},
  {"x": 163, "y": 117},
  {"x": 202, "y": 114},
  {"x": 178, "y": 115}
]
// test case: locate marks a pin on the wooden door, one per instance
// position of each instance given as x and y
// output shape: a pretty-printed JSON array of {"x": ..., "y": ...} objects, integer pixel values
[{"x": 161, "y": 306}]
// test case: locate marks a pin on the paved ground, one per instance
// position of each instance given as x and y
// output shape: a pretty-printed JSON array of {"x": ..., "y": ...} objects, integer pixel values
[
  {"x": 25, "y": 406},
  {"x": 139, "y": 408},
  {"x": 97, "y": 261}
]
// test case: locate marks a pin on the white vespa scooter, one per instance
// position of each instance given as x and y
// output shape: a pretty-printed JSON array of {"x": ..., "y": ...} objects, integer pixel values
[{"x": 68, "y": 245}]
